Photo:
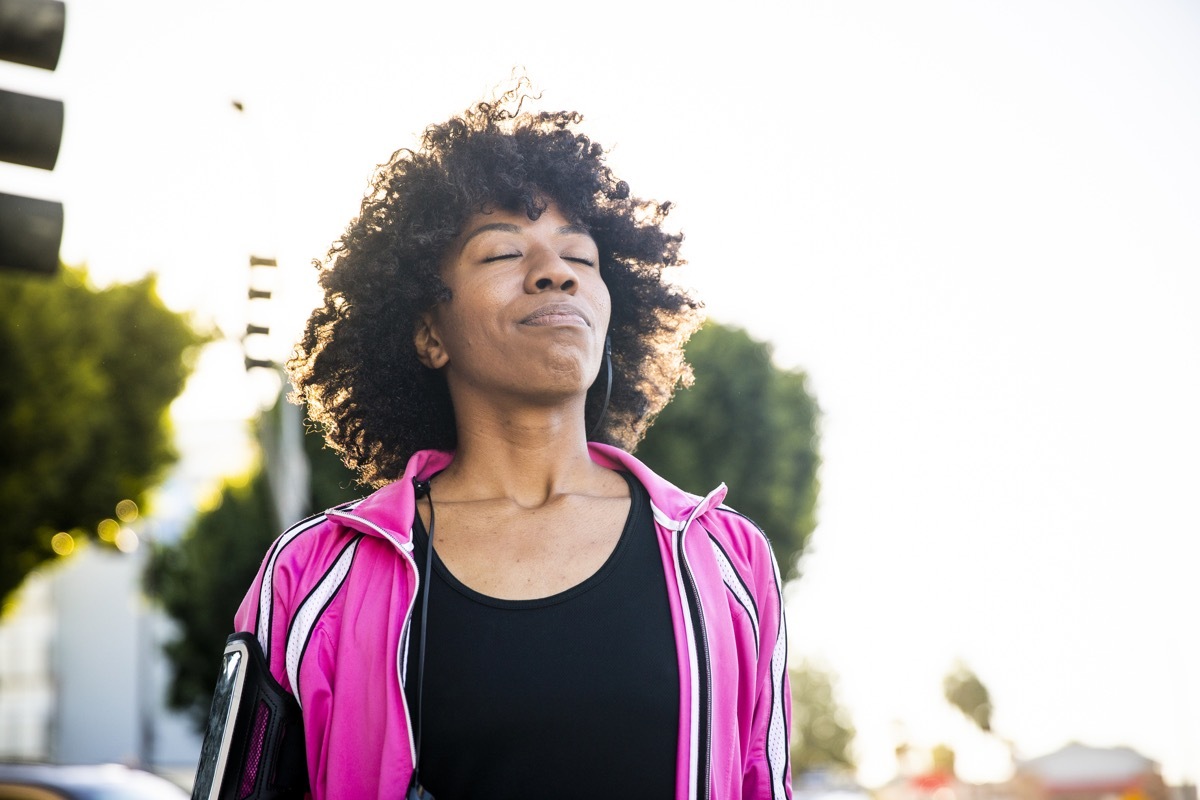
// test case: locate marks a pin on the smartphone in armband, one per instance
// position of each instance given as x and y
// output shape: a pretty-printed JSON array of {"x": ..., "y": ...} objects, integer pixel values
[{"x": 254, "y": 741}]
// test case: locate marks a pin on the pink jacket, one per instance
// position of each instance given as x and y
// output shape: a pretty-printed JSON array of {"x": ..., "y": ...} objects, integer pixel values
[{"x": 331, "y": 607}]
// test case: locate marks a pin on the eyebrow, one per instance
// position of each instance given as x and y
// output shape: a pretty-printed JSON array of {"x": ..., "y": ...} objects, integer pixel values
[{"x": 508, "y": 227}]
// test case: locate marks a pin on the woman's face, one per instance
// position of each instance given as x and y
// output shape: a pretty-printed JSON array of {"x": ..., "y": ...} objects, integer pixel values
[{"x": 528, "y": 311}]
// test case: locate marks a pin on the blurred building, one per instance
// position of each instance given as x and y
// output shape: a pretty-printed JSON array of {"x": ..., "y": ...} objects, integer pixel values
[
  {"x": 82, "y": 675},
  {"x": 931, "y": 775},
  {"x": 1079, "y": 772},
  {"x": 1074, "y": 772},
  {"x": 935, "y": 785},
  {"x": 827, "y": 784}
]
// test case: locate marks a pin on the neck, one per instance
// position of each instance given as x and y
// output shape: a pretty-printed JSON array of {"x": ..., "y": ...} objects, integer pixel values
[{"x": 528, "y": 456}]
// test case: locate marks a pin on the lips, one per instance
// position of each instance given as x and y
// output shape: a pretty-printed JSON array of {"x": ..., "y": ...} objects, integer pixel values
[{"x": 557, "y": 314}]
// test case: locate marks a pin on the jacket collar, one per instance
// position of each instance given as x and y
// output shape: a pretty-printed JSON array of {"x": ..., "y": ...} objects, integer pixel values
[
  {"x": 673, "y": 507},
  {"x": 388, "y": 512}
]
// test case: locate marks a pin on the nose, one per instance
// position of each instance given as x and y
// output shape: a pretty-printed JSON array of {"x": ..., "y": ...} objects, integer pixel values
[{"x": 549, "y": 272}]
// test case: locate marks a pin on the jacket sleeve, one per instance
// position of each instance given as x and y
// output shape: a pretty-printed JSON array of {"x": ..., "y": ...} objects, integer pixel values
[
  {"x": 768, "y": 767},
  {"x": 268, "y": 606}
]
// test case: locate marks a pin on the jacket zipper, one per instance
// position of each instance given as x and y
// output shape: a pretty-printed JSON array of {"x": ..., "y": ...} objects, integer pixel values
[
  {"x": 705, "y": 748},
  {"x": 402, "y": 648},
  {"x": 405, "y": 629}
]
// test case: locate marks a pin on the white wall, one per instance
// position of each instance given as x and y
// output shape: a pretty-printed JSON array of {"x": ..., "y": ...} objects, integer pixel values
[
  {"x": 26, "y": 681},
  {"x": 82, "y": 675}
]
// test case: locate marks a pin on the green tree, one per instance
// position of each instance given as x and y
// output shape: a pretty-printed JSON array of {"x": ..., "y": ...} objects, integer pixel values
[
  {"x": 822, "y": 733},
  {"x": 751, "y": 424},
  {"x": 966, "y": 692},
  {"x": 88, "y": 377},
  {"x": 201, "y": 579}
]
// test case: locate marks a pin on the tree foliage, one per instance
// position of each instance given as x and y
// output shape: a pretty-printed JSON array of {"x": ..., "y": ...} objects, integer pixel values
[
  {"x": 751, "y": 424},
  {"x": 201, "y": 579},
  {"x": 966, "y": 692},
  {"x": 88, "y": 377},
  {"x": 822, "y": 733}
]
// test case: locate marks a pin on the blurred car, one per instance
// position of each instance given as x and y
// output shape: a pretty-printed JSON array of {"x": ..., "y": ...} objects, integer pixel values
[
  {"x": 23, "y": 781},
  {"x": 825, "y": 784}
]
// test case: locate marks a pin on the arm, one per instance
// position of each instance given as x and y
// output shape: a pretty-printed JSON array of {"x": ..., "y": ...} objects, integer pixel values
[
  {"x": 768, "y": 766},
  {"x": 254, "y": 740},
  {"x": 766, "y": 733}
]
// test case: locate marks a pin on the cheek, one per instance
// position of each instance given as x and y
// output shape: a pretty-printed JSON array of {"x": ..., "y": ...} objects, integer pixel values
[
  {"x": 472, "y": 312},
  {"x": 602, "y": 302}
]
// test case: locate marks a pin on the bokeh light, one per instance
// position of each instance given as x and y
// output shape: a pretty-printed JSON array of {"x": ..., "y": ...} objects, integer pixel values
[
  {"x": 107, "y": 530},
  {"x": 127, "y": 541},
  {"x": 62, "y": 543},
  {"x": 127, "y": 511}
]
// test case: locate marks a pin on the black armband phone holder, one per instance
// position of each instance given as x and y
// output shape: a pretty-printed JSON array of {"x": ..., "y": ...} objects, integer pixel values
[{"x": 254, "y": 741}]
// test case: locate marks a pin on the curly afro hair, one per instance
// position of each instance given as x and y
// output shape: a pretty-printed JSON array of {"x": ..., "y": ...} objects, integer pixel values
[{"x": 356, "y": 365}]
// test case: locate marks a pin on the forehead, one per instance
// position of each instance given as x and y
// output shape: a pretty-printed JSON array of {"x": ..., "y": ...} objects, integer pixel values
[{"x": 551, "y": 221}]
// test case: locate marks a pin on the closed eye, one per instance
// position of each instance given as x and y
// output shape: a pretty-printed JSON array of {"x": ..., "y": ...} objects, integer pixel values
[
  {"x": 580, "y": 260},
  {"x": 501, "y": 257}
]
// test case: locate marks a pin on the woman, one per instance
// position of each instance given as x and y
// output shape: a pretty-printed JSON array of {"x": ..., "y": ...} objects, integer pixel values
[{"x": 592, "y": 630}]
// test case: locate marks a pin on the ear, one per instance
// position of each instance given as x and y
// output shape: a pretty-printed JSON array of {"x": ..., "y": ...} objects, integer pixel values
[{"x": 430, "y": 351}]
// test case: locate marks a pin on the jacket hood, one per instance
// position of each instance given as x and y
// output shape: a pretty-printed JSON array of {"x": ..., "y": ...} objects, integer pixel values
[{"x": 388, "y": 512}]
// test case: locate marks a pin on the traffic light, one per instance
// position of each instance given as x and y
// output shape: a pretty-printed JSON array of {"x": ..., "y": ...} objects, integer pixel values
[{"x": 31, "y": 33}]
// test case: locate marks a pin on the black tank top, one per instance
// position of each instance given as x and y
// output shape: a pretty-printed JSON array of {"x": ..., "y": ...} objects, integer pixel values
[{"x": 575, "y": 695}]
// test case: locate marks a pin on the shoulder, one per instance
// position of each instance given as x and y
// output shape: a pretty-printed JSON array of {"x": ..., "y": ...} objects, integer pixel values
[
  {"x": 742, "y": 551},
  {"x": 296, "y": 561},
  {"x": 738, "y": 535},
  {"x": 311, "y": 542},
  {"x": 299, "y": 564}
]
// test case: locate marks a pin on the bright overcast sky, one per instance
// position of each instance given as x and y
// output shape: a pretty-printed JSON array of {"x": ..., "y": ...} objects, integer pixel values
[{"x": 975, "y": 224}]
